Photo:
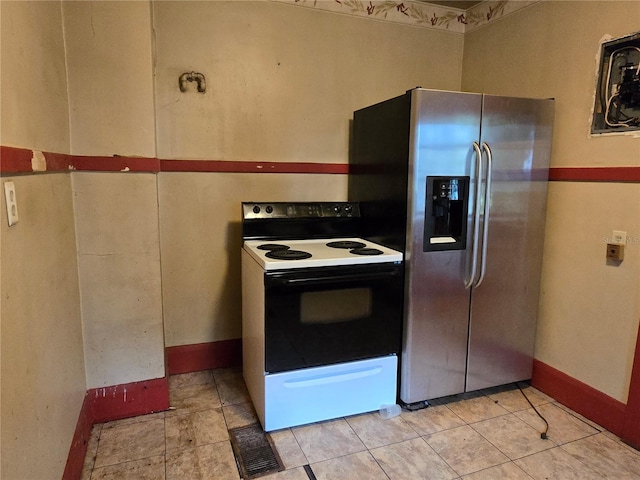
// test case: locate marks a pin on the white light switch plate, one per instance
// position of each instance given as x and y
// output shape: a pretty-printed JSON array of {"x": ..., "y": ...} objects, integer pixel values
[{"x": 12, "y": 203}]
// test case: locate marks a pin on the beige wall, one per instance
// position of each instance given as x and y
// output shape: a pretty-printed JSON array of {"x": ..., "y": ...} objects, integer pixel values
[
  {"x": 36, "y": 112},
  {"x": 42, "y": 366},
  {"x": 283, "y": 81},
  {"x": 589, "y": 310},
  {"x": 109, "y": 64},
  {"x": 43, "y": 383},
  {"x": 282, "y": 85},
  {"x": 119, "y": 268}
]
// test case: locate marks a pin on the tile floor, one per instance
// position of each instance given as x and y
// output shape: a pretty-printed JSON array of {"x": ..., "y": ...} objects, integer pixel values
[{"x": 492, "y": 436}]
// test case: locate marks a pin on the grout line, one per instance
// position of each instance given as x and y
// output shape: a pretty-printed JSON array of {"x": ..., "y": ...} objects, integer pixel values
[
  {"x": 164, "y": 424},
  {"x": 309, "y": 472}
]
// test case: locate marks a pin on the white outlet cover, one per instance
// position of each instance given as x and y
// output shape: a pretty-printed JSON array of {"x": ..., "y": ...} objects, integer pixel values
[{"x": 11, "y": 202}]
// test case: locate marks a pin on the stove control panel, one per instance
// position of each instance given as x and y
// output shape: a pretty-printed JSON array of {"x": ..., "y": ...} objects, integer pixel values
[{"x": 257, "y": 210}]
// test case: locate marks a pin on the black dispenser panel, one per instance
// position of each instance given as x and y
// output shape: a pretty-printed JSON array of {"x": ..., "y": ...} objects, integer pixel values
[{"x": 445, "y": 223}]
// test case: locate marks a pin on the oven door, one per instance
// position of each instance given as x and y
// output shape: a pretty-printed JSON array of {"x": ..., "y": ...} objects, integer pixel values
[{"x": 328, "y": 315}]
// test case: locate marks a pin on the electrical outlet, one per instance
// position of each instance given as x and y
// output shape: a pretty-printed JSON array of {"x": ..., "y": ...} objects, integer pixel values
[{"x": 12, "y": 203}]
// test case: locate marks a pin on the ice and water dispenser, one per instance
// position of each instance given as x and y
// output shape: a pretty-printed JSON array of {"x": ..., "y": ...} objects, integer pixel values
[{"x": 445, "y": 225}]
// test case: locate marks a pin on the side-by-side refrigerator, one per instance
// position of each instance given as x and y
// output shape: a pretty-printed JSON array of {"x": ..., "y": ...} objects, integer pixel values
[{"x": 458, "y": 181}]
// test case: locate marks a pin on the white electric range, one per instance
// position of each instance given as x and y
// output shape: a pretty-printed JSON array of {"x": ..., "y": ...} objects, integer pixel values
[{"x": 321, "y": 314}]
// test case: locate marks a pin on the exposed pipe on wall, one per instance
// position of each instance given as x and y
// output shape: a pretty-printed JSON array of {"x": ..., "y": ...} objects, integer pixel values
[{"x": 192, "y": 77}]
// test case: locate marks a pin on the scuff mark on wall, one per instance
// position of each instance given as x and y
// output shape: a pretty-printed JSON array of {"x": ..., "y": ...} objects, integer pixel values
[{"x": 38, "y": 162}]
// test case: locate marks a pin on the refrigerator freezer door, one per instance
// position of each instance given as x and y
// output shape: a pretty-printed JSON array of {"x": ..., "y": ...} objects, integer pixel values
[
  {"x": 504, "y": 306},
  {"x": 444, "y": 126}
]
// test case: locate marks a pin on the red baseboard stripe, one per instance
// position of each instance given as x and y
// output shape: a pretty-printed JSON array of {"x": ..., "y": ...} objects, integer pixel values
[
  {"x": 78, "y": 449},
  {"x": 631, "y": 430},
  {"x": 580, "y": 397},
  {"x": 204, "y": 356},
  {"x": 113, "y": 403},
  {"x": 129, "y": 400}
]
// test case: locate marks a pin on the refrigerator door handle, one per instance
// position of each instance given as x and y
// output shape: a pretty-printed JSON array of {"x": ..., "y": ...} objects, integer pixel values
[
  {"x": 487, "y": 209},
  {"x": 470, "y": 282}
]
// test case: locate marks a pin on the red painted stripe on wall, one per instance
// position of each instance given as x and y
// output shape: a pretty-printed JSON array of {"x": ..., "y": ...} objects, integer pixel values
[
  {"x": 579, "y": 397},
  {"x": 595, "y": 174},
  {"x": 15, "y": 160},
  {"x": 219, "y": 166},
  {"x": 18, "y": 160},
  {"x": 116, "y": 164},
  {"x": 204, "y": 356}
]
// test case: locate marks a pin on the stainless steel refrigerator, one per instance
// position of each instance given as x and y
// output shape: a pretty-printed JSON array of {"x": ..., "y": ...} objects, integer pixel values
[{"x": 458, "y": 181}]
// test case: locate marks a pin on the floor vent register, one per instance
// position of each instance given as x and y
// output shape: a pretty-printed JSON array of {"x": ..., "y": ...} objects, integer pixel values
[{"x": 254, "y": 452}]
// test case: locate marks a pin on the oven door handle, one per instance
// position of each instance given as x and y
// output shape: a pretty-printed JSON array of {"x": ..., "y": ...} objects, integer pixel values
[{"x": 347, "y": 277}]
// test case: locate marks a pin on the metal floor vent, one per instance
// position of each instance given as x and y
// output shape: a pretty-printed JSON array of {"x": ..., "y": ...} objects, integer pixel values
[{"x": 254, "y": 451}]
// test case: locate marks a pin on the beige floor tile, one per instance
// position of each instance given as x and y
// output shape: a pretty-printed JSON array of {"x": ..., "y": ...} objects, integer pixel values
[
  {"x": 231, "y": 386},
  {"x": 375, "y": 431},
  {"x": 130, "y": 442},
  {"x": 193, "y": 398},
  {"x": 563, "y": 427},
  {"x": 432, "y": 419},
  {"x": 132, "y": 420},
  {"x": 609, "y": 458},
  {"x": 221, "y": 373},
  {"x": 356, "y": 466},
  {"x": 325, "y": 440},
  {"x": 92, "y": 451},
  {"x": 208, "y": 462},
  {"x": 506, "y": 471},
  {"x": 581, "y": 417},
  {"x": 239, "y": 415},
  {"x": 538, "y": 393},
  {"x": 293, "y": 474},
  {"x": 412, "y": 459},
  {"x": 477, "y": 409},
  {"x": 288, "y": 449},
  {"x": 514, "y": 401},
  {"x": 189, "y": 379},
  {"x": 556, "y": 464},
  {"x": 465, "y": 450},
  {"x": 512, "y": 436},
  {"x": 195, "y": 429},
  {"x": 151, "y": 468}
]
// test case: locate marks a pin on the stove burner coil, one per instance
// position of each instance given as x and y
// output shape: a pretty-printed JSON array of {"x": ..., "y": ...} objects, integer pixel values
[
  {"x": 366, "y": 251},
  {"x": 288, "y": 254},
  {"x": 347, "y": 244},
  {"x": 273, "y": 247}
]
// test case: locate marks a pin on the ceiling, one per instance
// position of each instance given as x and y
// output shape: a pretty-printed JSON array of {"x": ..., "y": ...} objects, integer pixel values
[{"x": 463, "y": 5}]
